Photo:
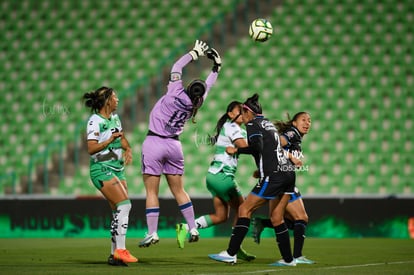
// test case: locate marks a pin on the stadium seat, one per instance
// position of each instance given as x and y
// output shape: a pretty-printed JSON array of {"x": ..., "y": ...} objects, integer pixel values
[{"x": 348, "y": 64}]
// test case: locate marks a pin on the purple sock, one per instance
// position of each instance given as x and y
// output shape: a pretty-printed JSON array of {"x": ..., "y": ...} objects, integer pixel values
[
  {"x": 152, "y": 215},
  {"x": 187, "y": 210}
]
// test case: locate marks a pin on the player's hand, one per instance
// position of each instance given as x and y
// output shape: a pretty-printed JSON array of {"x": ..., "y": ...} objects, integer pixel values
[
  {"x": 127, "y": 156},
  {"x": 116, "y": 135},
  {"x": 297, "y": 162},
  {"x": 231, "y": 150},
  {"x": 256, "y": 174},
  {"x": 199, "y": 49},
  {"x": 214, "y": 55}
]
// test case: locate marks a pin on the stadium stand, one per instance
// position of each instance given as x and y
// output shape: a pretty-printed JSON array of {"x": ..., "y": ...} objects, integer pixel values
[{"x": 349, "y": 63}]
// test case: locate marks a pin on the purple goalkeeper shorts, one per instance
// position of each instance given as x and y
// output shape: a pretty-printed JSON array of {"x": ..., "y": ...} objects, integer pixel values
[{"x": 162, "y": 156}]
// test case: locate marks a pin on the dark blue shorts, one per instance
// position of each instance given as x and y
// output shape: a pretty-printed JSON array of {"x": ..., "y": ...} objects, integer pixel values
[{"x": 276, "y": 185}]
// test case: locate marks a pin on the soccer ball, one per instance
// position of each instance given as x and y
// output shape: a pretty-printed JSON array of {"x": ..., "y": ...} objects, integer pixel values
[{"x": 260, "y": 30}]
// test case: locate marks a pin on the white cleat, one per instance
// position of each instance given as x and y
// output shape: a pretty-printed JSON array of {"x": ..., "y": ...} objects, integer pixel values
[
  {"x": 224, "y": 257},
  {"x": 149, "y": 239}
]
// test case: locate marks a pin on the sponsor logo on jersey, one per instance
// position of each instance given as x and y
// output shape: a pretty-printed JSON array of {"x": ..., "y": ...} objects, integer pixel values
[{"x": 290, "y": 134}]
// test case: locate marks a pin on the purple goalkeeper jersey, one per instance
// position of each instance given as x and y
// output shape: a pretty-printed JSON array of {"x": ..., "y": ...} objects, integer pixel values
[{"x": 174, "y": 109}]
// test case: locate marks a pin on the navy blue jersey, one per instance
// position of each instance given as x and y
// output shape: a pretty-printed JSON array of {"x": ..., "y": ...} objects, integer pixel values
[
  {"x": 264, "y": 145},
  {"x": 294, "y": 142},
  {"x": 294, "y": 139}
]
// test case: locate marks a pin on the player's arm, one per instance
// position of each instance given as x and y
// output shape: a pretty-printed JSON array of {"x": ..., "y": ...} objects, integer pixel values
[
  {"x": 283, "y": 141},
  {"x": 240, "y": 143},
  {"x": 199, "y": 50},
  {"x": 92, "y": 135},
  {"x": 127, "y": 150},
  {"x": 255, "y": 146},
  {"x": 297, "y": 162},
  {"x": 212, "y": 77},
  {"x": 94, "y": 146}
]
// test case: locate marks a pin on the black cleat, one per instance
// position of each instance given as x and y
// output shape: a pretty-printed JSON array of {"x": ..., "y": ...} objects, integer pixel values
[{"x": 115, "y": 262}]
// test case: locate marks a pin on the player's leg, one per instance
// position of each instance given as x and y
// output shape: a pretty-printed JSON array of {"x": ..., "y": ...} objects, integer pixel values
[
  {"x": 152, "y": 157},
  {"x": 220, "y": 186},
  {"x": 111, "y": 259},
  {"x": 281, "y": 231},
  {"x": 114, "y": 191},
  {"x": 175, "y": 183},
  {"x": 185, "y": 205},
  {"x": 297, "y": 214},
  {"x": 152, "y": 209},
  {"x": 259, "y": 224},
  {"x": 229, "y": 194},
  {"x": 240, "y": 230},
  {"x": 173, "y": 170},
  {"x": 107, "y": 182},
  {"x": 220, "y": 215},
  {"x": 235, "y": 203}
]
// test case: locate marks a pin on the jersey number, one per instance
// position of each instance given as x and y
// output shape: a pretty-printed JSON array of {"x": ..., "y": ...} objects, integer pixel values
[{"x": 178, "y": 119}]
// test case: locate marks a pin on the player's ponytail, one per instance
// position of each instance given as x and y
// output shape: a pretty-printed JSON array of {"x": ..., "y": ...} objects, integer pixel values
[
  {"x": 252, "y": 104},
  {"x": 96, "y": 99},
  {"x": 195, "y": 91},
  {"x": 222, "y": 120},
  {"x": 283, "y": 126}
]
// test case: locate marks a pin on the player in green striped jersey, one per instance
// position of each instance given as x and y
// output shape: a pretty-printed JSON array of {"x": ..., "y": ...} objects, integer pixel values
[{"x": 109, "y": 151}]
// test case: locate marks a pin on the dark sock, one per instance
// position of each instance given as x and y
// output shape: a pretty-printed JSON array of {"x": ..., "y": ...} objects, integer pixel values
[
  {"x": 239, "y": 232},
  {"x": 267, "y": 223},
  {"x": 289, "y": 223},
  {"x": 283, "y": 241},
  {"x": 299, "y": 237}
]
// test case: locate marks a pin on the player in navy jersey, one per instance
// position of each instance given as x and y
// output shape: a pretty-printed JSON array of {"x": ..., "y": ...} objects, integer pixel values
[
  {"x": 276, "y": 182},
  {"x": 220, "y": 179},
  {"x": 296, "y": 218},
  {"x": 162, "y": 151}
]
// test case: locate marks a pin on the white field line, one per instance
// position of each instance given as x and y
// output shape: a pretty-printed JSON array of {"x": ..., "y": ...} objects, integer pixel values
[{"x": 267, "y": 271}]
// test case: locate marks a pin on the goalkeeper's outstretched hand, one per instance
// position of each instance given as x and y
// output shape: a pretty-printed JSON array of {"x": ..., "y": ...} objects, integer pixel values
[
  {"x": 199, "y": 49},
  {"x": 214, "y": 55}
]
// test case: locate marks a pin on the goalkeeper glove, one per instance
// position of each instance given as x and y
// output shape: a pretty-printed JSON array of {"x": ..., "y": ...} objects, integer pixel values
[
  {"x": 199, "y": 49},
  {"x": 214, "y": 55}
]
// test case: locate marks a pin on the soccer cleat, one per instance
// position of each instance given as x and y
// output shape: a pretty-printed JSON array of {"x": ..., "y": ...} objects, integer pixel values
[
  {"x": 149, "y": 239},
  {"x": 257, "y": 229},
  {"x": 194, "y": 235},
  {"x": 224, "y": 257},
  {"x": 181, "y": 231},
  {"x": 243, "y": 255},
  {"x": 303, "y": 260},
  {"x": 115, "y": 262},
  {"x": 125, "y": 256},
  {"x": 283, "y": 263}
]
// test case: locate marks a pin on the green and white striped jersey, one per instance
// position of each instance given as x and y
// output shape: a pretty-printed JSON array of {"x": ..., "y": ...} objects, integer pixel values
[
  {"x": 101, "y": 129},
  {"x": 223, "y": 161}
]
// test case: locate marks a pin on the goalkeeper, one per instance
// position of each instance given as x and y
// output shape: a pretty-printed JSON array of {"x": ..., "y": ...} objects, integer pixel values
[{"x": 162, "y": 151}]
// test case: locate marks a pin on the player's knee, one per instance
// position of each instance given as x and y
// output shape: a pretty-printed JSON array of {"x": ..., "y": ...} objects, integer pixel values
[
  {"x": 222, "y": 217},
  {"x": 276, "y": 222},
  {"x": 304, "y": 217},
  {"x": 123, "y": 208},
  {"x": 276, "y": 219},
  {"x": 244, "y": 211}
]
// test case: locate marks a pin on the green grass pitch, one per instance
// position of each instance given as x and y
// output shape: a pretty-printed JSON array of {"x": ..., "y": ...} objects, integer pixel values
[{"x": 88, "y": 256}]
